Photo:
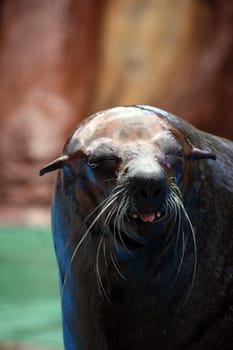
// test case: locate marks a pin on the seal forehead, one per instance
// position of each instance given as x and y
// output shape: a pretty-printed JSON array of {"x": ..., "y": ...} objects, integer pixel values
[{"x": 120, "y": 125}]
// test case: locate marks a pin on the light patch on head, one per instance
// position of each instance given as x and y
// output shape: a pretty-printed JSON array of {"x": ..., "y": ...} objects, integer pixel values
[
  {"x": 101, "y": 144},
  {"x": 123, "y": 124}
]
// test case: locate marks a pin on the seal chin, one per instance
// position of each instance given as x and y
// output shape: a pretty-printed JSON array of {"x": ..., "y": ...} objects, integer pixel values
[
  {"x": 138, "y": 227},
  {"x": 147, "y": 224}
]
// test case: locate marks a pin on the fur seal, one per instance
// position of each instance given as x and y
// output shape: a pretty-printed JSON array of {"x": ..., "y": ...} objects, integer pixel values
[{"x": 142, "y": 217}]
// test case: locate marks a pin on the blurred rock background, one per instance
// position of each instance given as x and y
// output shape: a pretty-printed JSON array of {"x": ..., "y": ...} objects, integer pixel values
[{"x": 62, "y": 60}]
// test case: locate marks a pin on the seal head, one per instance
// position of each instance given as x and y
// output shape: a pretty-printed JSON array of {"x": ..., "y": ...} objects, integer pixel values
[{"x": 131, "y": 151}]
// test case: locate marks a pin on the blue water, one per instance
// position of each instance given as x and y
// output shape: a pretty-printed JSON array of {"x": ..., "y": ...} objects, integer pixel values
[{"x": 29, "y": 297}]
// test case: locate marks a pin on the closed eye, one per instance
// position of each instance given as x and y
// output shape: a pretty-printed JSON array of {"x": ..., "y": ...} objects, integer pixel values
[
  {"x": 174, "y": 157},
  {"x": 109, "y": 161},
  {"x": 178, "y": 152}
]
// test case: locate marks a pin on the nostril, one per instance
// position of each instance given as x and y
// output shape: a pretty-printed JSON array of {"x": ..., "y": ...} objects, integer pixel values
[
  {"x": 156, "y": 192},
  {"x": 143, "y": 193},
  {"x": 149, "y": 192},
  {"x": 147, "y": 187}
]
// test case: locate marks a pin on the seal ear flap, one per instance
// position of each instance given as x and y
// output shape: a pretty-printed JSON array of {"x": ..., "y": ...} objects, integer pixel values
[
  {"x": 55, "y": 164},
  {"x": 197, "y": 154}
]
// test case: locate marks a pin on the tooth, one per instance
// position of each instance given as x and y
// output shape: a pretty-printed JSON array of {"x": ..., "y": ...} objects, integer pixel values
[
  {"x": 158, "y": 214},
  {"x": 134, "y": 216}
]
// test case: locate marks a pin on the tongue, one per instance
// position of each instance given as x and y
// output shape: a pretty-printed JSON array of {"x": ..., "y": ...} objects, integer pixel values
[{"x": 147, "y": 217}]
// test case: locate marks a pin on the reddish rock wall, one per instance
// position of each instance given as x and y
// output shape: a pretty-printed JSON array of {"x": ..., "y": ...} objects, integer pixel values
[
  {"x": 204, "y": 89},
  {"x": 61, "y": 60},
  {"x": 47, "y": 60},
  {"x": 177, "y": 55}
]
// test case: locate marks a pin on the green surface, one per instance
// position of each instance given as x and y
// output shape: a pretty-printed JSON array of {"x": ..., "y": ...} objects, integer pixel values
[{"x": 29, "y": 296}]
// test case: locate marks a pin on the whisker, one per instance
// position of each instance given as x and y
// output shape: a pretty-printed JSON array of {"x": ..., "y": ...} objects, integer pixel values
[
  {"x": 98, "y": 275},
  {"x": 118, "y": 223},
  {"x": 195, "y": 255},
  {"x": 181, "y": 258},
  {"x": 109, "y": 216},
  {"x": 175, "y": 203},
  {"x": 116, "y": 265},
  {"x": 109, "y": 202},
  {"x": 193, "y": 239},
  {"x": 105, "y": 256},
  {"x": 112, "y": 195}
]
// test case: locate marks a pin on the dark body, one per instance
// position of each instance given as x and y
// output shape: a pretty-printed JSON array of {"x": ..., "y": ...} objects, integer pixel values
[{"x": 142, "y": 219}]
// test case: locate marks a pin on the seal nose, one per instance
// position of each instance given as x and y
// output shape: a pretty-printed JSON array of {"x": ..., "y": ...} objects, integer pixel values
[
  {"x": 145, "y": 188},
  {"x": 147, "y": 184}
]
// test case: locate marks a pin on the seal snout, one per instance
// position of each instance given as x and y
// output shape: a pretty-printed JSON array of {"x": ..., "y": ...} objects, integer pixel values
[
  {"x": 148, "y": 195},
  {"x": 148, "y": 188}
]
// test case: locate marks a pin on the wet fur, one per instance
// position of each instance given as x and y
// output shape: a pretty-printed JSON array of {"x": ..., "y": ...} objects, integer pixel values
[{"x": 169, "y": 293}]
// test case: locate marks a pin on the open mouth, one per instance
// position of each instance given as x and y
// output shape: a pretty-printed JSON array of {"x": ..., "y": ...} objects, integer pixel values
[
  {"x": 137, "y": 227},
  {"x": 147, "y": 217}
]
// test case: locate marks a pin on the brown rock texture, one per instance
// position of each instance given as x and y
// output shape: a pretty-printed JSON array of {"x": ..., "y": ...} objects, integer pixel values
[
  {"x": 174, "y": 54},
  {"x": 62, "y": 60},
  {"x": 143, "y": 43},
  {"x": 204, "y": 89},
  {"x": 47, "y": 59}
]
